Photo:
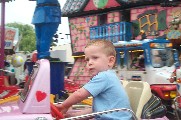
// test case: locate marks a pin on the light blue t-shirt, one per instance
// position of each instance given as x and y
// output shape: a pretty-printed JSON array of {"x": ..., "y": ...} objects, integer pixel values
[{"x": 108, "y": 93}]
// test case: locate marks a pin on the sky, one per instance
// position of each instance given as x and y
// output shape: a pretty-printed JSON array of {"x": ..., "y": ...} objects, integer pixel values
[{"x": 21, "y": 11}]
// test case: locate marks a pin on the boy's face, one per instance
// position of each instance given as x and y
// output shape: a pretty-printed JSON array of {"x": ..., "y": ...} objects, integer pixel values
[{"x": 97, "y": 60}]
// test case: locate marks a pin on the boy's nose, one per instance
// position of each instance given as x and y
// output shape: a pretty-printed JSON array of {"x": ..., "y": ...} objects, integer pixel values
[{"x": 89, "y": 64}]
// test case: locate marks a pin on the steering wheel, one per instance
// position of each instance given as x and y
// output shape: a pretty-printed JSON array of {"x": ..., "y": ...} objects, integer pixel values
[{"x": 55, "y": 112}]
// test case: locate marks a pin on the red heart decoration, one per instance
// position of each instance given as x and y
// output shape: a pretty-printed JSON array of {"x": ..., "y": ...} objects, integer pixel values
[{"x": 40, "y": 95}]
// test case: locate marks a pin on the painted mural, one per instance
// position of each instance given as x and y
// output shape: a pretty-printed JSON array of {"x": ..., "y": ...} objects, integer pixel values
[
  {"x": 79, "y": 30},
  {"x": 79, "y": 74},
  {"x": 119, "y": 20},
  {"x": 157, "y": 21}
]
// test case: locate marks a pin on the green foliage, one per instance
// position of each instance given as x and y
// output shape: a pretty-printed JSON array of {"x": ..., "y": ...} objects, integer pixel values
[{"x": 28, "y": 39}]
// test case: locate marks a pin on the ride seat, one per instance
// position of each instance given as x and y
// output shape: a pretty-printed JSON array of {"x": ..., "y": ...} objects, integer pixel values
[
  {"x": 139, "y": 93},
  {"x": 124, "y": 82}
]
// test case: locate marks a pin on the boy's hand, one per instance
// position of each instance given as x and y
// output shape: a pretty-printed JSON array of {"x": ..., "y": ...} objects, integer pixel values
[{"x": 61, "y": 108}]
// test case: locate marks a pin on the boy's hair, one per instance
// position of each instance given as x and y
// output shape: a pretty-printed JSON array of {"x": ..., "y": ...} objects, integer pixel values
[{"x": 107, "y": 46}]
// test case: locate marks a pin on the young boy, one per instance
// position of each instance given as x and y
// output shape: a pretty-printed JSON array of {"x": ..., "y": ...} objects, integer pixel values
[{"x": 105, "y": 86}]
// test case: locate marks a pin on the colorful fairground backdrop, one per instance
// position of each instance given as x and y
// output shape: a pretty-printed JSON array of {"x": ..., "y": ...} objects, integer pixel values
[
  {"x": 146, "y": 34},
  {"x": 17, "y": 102},
  {"x": 147, "y": 37},
  {"x": 9, "y": 62}
]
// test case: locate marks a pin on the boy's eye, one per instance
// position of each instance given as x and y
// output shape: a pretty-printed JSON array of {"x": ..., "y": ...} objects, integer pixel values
[{"x": 95, "y": 57}]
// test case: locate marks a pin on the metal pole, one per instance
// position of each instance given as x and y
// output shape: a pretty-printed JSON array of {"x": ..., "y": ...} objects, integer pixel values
[
  {"x": 2, "y": 34},
  {"x": 87, "y": 116}
]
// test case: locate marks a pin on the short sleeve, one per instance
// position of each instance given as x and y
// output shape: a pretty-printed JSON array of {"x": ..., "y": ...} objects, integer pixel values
[{"x": 97, "y": 84}]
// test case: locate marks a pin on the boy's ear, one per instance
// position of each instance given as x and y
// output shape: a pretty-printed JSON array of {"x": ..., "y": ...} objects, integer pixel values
[{"x": 112, "y": 59}]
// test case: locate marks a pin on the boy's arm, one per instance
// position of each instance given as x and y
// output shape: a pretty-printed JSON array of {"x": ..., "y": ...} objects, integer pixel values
[{"x": 74, "y": 98}]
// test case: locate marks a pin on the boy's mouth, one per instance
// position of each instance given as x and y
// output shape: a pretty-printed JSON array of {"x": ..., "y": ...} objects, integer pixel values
[{"x": 91, "y": 69}]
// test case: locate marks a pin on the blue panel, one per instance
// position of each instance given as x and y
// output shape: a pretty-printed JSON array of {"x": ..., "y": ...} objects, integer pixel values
[
  {"x": 57, "y": 70},
  {"x": 57, "y": 77},
  {"x": 120, "y": 31}
]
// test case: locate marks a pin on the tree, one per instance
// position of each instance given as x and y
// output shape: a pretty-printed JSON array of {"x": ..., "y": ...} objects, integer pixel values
[{"x": 28, "y": 38}]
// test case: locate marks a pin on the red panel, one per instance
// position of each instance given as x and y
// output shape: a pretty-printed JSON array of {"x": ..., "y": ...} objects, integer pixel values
[{"x": 111, "y": 3}]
